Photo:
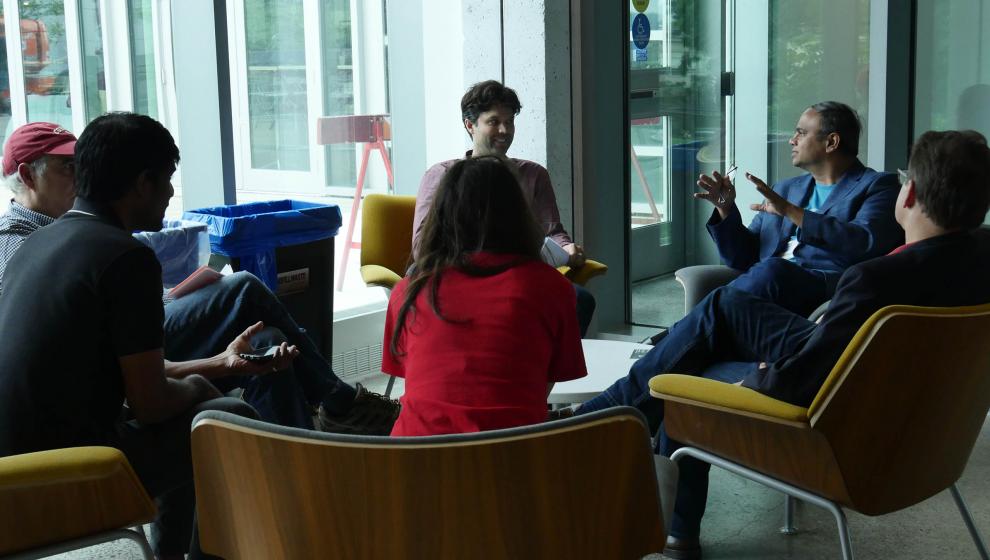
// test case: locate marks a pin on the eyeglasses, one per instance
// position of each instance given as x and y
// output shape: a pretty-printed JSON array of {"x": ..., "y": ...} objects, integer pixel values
[{"x": 903, "y": 176}]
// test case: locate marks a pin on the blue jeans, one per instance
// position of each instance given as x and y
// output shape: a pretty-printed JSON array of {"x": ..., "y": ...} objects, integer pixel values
[
  {"x": 788, "y": 284},
  {"x": 724, "y": 337},
  {"x": 204, "y": 322}
]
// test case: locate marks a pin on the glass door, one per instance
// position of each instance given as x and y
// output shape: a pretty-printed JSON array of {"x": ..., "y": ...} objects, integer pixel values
[{"x": 676, "y": 97}]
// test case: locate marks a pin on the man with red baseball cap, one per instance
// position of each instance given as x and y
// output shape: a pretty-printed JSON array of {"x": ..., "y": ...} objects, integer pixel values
[{"x": 38, "y": 169}]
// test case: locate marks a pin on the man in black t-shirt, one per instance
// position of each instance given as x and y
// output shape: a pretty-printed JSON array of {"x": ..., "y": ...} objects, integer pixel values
[{"x": 71, "y": 356}]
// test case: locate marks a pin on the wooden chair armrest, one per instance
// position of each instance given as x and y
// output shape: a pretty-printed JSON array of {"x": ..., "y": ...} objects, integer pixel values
[{"x": 725, "y": 397}]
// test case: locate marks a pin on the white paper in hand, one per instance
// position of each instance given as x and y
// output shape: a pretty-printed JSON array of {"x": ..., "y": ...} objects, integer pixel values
[{"x": 553, "y": 254}]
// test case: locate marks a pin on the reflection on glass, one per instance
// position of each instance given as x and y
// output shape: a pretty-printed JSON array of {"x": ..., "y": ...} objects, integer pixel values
[
  {"x": 819, "y": 51},
  {"x": 45, "y": 60},
  {"x": 4, "y": 83},
  {"x": 676, "y": 131},
  {"x": 143, "y": 73},
  {"x": 338, "y": 86},
  {"x": 952, "y": 69},
  {"x": 276, "y": 81},
  {"x": 94, "y": 77}
]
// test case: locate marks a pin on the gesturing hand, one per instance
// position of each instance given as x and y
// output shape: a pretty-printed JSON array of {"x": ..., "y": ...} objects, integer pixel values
[
  {"x": 719, "y": 190},
  {"x": 773, "y": 203}
]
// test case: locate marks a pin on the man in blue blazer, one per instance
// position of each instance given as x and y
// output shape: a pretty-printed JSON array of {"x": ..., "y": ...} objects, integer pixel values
[
  {"x": 810, "y": 228},
  {"x": 736, "y": 337}
]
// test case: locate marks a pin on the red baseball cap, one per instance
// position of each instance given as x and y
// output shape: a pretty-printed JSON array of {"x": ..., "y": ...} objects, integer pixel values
[{"x": 34, "y": 140}]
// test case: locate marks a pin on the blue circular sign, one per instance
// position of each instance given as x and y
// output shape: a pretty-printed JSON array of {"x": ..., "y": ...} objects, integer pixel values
[{"x": 641, "y": 31}]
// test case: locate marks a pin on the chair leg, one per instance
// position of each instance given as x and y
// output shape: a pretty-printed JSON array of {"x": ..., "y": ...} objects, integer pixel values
[
  {"x": 388, "y": 388},
  {"x": 968, "y": 520},
  {"x": 843, "y": 526},
  {"x": 790, "y": 490},
  {"x": 789, "y": 528}
]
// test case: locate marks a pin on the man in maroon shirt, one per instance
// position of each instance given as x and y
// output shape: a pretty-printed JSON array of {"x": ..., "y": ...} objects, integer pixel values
[{"x": 489, "y": 110}]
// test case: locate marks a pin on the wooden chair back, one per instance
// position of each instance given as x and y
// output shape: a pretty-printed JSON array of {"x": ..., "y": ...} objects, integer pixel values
[
  {"x": 386, "y": 231},
  {"x": 578, "y": 488},
  {"x": 904, "y": 404}
]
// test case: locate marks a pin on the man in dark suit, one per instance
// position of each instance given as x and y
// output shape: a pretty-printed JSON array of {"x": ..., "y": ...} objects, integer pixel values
[
  {"x": 809, "y": 228},
  {"x": 943, "y": 200}
]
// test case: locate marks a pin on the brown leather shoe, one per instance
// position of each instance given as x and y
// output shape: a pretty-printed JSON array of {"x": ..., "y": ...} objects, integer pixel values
[{"x": 682, "y": 549}]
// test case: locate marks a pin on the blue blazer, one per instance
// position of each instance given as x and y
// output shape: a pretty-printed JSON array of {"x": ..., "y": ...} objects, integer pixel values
[{"x": 855, "y": 223}]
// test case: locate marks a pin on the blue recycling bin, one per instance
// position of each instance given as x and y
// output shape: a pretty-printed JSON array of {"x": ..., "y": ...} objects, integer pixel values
[
  {"x": 181, "y": 246},
  {"x": 288, "y": 245}
]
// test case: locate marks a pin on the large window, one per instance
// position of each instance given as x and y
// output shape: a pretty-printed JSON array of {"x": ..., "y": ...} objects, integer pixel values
[
  {"x": 952, "y": 75},
  {"x": 45, "y": 61},
  {"x": 819, "y": 51},
  {"x": 69, "y": 61},
  {"x": 292, "y": 62},
  {"x": 952, "y": 72}
]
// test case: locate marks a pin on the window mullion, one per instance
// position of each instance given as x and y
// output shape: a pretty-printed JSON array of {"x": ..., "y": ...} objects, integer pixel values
[
  {"x": 117, "y": 55},
  {"x": 15, "y": 64},
  {"x": 73, "y": 42}
]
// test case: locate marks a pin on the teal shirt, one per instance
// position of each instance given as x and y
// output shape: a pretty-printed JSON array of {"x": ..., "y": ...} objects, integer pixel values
[{"x": 818, "y": 198}]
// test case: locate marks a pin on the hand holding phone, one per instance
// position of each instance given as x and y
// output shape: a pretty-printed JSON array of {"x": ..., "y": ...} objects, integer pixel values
[{"x": 259, "y": 355}]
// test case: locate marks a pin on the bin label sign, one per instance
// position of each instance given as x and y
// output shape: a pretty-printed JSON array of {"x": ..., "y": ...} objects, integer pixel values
[
  {"x": 641, "y": 31},
  {"x": 292, "y": 281}
]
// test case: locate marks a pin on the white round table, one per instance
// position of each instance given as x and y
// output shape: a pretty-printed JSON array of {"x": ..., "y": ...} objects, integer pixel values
[{"x": 606, "y": 360}]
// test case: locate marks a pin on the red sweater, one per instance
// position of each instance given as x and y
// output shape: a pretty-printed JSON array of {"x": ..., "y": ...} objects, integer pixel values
[{"x": 487, "y": 366}]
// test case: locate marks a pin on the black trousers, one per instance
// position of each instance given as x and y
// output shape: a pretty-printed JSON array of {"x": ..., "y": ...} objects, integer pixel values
[{"x": 162, "y": 458}]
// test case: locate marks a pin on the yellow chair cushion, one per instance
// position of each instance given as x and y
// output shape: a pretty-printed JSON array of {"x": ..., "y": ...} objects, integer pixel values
[
  {"x": 53, "y": 496},
  {"x": 716, "y": 394},
  {"x": 375, "y": 275}
]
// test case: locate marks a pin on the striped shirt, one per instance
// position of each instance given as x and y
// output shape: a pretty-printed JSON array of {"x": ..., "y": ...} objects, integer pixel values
[{"x": 15, "y": 225}]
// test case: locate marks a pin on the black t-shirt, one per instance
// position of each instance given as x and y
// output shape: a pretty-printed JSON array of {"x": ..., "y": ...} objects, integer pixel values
[{"x": 77, "y": 295}]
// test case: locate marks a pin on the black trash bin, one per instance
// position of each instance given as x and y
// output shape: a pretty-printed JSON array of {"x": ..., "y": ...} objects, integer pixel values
[{"x": 288, "y": 244}]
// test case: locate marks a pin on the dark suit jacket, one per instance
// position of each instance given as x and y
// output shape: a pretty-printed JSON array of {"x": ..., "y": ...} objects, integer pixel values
[
  {"x": 945, "y": 271},
  {"x": 855, "y": 223}
]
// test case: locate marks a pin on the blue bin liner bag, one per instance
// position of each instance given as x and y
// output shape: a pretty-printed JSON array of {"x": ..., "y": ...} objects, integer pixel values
[
  {"x": 181, "y": 246},
  {"x": 251, "y": 232}
]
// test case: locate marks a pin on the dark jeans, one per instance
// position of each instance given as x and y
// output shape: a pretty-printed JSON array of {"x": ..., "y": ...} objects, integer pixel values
[
  {"x": 788, "y": 284},
  {"x": 724, "y": 337},
  {"x": 585, "y": 308},
  {"x": 204, "y": 322},
  {"x": 162, "y": 458}
]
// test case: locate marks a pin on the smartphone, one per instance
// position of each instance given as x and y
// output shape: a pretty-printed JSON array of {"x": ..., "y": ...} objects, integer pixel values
[{"x": 260, "y": 355}]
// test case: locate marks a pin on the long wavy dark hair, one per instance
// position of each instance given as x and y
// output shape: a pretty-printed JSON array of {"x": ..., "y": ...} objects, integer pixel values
[{"x": 478, "y": 206}]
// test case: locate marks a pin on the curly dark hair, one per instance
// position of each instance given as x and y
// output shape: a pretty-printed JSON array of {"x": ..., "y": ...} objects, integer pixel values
[
  {"x": 951, "y": 172},
  {"x": 842, "y": 119},
  {"x": 482, "y": 96},
  {"x": 115, "y": 149},
  {"x": 478, "y": 206}
]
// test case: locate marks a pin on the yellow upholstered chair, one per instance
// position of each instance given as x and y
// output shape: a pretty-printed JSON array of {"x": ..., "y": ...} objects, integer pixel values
[
  {"x": 66, "y": 499},
  {"x": 565, "y": 489},
  {"x": 893, "y": 424},
  {"x": 386, "y": 238},
  {"x": 386, "y": 242}
]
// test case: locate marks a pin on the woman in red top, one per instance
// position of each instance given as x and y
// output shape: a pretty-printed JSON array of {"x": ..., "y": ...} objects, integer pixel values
[{"x": 482, "y": 328}]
